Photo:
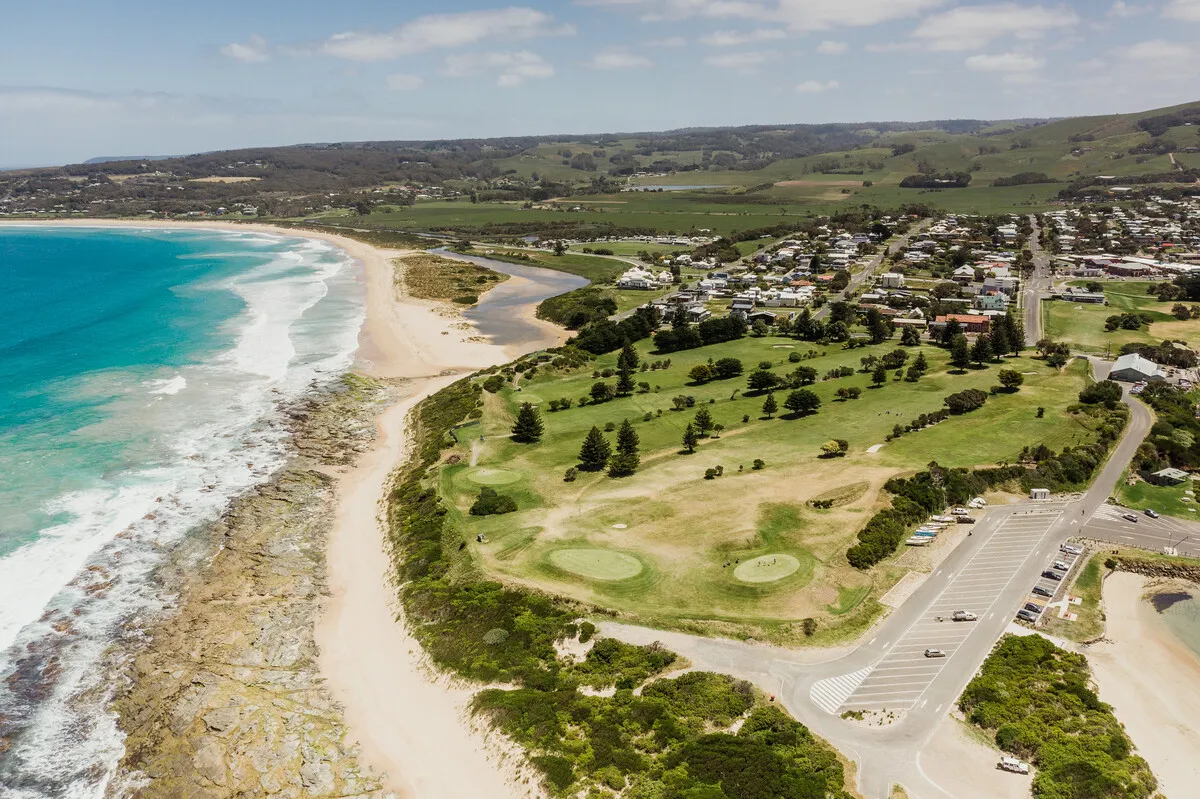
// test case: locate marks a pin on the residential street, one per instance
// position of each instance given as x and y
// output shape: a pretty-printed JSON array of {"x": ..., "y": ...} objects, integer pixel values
[
  {"x": 871, "y": 268},
  {"x": 1036, "y": 286},
  {"x": 990, "y": 573}
]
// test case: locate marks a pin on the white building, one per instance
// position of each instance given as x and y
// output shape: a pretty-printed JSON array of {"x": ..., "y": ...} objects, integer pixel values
[{"x": 891, "y": 280}]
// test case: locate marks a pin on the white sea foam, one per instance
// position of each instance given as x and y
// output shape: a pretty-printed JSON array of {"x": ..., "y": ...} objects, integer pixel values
[{"x": 211, "y": 442}]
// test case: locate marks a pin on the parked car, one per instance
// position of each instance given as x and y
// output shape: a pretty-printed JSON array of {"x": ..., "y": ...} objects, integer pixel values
[
  {"x": 964, "y": 615},
  {"x": 1153, "y": 514},
  {"x": 1072, "y": 549},
  {"x": 1013, "y": 765},
  {"x": 1129, "y": 517},
  {"x": 934, "y": 653},
  {"x": 1061, "y": 566},
  {"x": 1052, "y": 575},
  {"x": 1032, "y": 608},
  {"x": 1025, "y": 615},
  {"x": 1037, "y": 589}
]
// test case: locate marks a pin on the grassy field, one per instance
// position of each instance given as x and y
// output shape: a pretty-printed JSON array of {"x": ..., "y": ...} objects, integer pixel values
[
  {"x": 1083, "y": 325},
  {"x": 593, "y": 267},
  {"x": 1177, "y": 500},
  {"x": 430, "y": 277},
  {"x": 744, "y": 553}
]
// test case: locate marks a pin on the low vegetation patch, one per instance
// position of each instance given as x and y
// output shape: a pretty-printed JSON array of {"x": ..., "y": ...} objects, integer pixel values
[
  {"x": 431, "y": 277},
  {"x": 1037, "y": 700}
]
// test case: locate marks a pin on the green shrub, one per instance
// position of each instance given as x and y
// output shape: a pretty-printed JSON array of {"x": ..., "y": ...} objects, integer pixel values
[{"x": 491, "y": 503}]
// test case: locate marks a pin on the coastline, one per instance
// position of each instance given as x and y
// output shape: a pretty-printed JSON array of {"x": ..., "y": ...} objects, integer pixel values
[
  {"x": 1152, "y": 680},
  {"x": 387, "y": 724}
]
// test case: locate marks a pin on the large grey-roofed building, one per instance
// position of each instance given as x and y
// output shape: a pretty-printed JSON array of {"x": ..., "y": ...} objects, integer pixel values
[{"x": 1132, "y": 368}]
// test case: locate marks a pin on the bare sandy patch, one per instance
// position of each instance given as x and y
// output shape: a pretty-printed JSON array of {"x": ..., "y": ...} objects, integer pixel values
[
  {"x": 841, "y": 184},
  {"x": 965, "y": 767},
  {"x": 225, "y": 179}
]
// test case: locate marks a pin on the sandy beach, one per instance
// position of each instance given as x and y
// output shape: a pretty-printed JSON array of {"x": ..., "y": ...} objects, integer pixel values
[
  {"x": 409, "y": 723},
  {"x": 1153, "y": 683}
]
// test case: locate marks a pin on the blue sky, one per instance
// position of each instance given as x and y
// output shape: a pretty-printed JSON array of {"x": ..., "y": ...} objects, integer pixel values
[{"x": 82, "y": 79}]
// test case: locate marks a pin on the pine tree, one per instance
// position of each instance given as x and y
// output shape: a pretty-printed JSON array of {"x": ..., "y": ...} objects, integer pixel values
[
  {"x": 626, "y": 460},
  {"x": 770, "y": 406},
  {"x": 950, "y": 332},
  {"x": 627, "y": 438},
  {"x": 628, "y": 359},
  {"x": 920, "y": 364},
  {"x": 625, "y": 382},
  {"x": 690, "y": 437},
  {"x": 982, "y": 350},
  {"x": 594, "y": 453},
  {"x": 528, "y": 428},
  {"x": 998, "y": 341},
  {"x": 960, "y": 353},
  {"x": 703, "y": 421}
]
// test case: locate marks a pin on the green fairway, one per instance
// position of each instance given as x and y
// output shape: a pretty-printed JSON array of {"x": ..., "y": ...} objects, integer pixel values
[
  {"x": 597, "y": 564},
  {"x": 697, "y": 540},
  {"x": 493, "y": 477}
]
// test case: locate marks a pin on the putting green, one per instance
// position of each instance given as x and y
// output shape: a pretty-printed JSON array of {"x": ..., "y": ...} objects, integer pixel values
[
  {"x": 532, "y": 399},
  {"x": 766, "y": 568},
  {"x": 493, "y": 477},
  {"x": 597, "y": 564}
]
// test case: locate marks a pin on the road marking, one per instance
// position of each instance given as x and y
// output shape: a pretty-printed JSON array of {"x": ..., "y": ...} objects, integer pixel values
[
  {"x": 829, "y": 694},
  {"x": 871, "y": 641}
]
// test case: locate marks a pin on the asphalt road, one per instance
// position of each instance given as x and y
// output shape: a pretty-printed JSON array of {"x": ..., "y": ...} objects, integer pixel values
[
  {"x": 1110, "y": 526},
  {"x": 1036, "y": 286},
  {"x": 872, "y": 266},
  {"x": 991, "y": 573}
]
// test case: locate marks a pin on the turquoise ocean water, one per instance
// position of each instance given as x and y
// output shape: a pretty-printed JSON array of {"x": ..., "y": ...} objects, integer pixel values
[{"x": 141, "y": 377}]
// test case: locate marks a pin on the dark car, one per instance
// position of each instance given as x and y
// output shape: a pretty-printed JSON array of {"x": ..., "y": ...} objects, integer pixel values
[
  {"x": 1025, "y": 615},
  {"x": 1051, "y": 575},
  {"x": 1037, "y": 589},
  {"x": 1032, "y": 608}
]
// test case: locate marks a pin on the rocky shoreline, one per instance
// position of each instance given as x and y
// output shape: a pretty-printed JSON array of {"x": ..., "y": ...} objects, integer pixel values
[{"x": 225, "y": 697}]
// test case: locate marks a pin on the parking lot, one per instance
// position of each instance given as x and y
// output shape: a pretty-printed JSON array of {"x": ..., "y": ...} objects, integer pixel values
[
  {"x": 1108, "y": 524},
  {"x": 898, "y": 680}
]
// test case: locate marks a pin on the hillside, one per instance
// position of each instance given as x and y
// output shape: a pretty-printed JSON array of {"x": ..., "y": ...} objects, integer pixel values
[{"x": 759, "y": 173}]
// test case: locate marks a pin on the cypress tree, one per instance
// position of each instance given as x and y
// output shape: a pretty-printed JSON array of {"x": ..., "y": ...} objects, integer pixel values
[
  {"x": 982, "y": 350},
  {"x": 528, "y": 428},
  {"x": 594, "y": 453},
  {"x": 625, "y": 382},
  {"x": 703, "y": 421},
  {"x": 960, "y": 354},
  {"x": 627, "y": 438},
  {"x": 626, "y": 461}
]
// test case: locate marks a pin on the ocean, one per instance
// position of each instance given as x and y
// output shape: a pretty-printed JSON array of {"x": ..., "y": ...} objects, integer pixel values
[
  {"x": 1180, "y": 612},
  {"x": 142, "y": 373}
]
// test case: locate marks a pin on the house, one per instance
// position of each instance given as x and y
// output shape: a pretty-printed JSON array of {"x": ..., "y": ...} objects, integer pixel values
[
  {"x": 767, "y": 317},
  {"x": 991, "y": 302},
  {"x": 742, "y": 308},
  {"x": 1169, "y": 477},
  {"x": 964, "y": 274},
  {"x": 970, "y": 323},
  {"x": 891, "y": 280},
  {"x": 1080, "y": 296},
  {"x": 1133, "y": 368}
]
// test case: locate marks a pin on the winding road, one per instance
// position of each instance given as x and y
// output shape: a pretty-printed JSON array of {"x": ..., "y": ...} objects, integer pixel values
[{"x": 989, "y": 573}]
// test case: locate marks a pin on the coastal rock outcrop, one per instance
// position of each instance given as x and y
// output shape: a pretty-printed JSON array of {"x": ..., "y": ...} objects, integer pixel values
[{"x": 225, "y": 698}]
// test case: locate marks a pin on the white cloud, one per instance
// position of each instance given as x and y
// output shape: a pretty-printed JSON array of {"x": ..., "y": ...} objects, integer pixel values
[
  {"x": 440, "y": 31},
  {"x": 816, "y": 86},
  {"x": 404, "y": 83},
  {"x": 746, "y": 63},
  {"x": 1183, "y": 9},
  {"x": 800, "y": 15},
  {"x": 511, "y": 69},
  {"x": 738, "y": 38},
  {"x": 832, "y": 48},
  {"x": 619, "y": 59},
  {"x": 669, "y": 41},
  {"x": 1122, "y": 10},
  {"x": 1161, "y": 52},
  {"x": 973, "y": 27},
  {"x": 254, "y": 51},
  {"x": 1004, "y": 62}
]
